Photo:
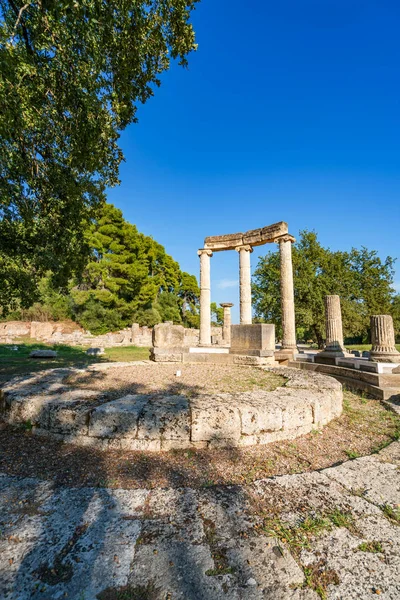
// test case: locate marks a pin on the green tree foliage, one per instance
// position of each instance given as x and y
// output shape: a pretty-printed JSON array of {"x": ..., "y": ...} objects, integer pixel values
[
  {"x": 361, "y": 279},
  {"x": 217, "y": 315},
  {"x": 129, "y": 278},
  {"x": 395, "y": 311},
  {"x": 72, "y": 74}
]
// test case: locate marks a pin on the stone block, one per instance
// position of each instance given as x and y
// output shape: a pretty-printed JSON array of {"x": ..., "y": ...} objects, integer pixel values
[
  {"x": 167, "y": 418},
  {"x": 166, "y": 354},
  {"x": 297, "y": 414},
  {"x": 257, "y": 339},
  {"x": 118, "y": 418},
  {"x": 166, "y": 335},
  {"x": 43, "y": 354},
  {"x": 258, "y": 420},
  {"x": 218, "y": 421}
]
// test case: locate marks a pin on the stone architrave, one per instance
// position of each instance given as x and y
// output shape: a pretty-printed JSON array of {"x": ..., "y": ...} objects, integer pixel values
[
  {"x": 383, "y": 340},
  {"x": 245, "y": 284},
  {"x": 287, "y": 293},
  {"x": 226, "y": 331},
  {"x": 205, "y": 297}
]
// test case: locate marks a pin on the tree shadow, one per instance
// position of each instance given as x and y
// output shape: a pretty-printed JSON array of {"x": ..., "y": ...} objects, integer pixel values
[{"x": 96, "y": 542}]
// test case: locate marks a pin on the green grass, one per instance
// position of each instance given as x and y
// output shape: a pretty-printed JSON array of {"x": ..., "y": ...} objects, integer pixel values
[
  {"x": 299, "y": 536},
  {"x": 362, "y": 347},
  {"x": 392, "y": 514},
  {"x": 374, "y": 547},
  {"x": 14, "y": 362}
]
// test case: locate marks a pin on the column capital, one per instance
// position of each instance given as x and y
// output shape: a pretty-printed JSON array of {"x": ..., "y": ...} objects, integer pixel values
[
  {"x": 286, "y": 238},
  {"x": 204, "y": 251},
  {"x": 226, "y": 304},
  {"x": 246, "y": 248}
]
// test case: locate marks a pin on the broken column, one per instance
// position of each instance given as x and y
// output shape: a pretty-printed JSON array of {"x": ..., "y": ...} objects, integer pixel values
[
  {"x": 245, "y": 284},
  {"x": 287, "y": 293},
  {"x": 383, "y": 340},
  {"x": 226, "y": 330},
  {"x": 333, "y": 325},
  {"x": 205, "y": 297},
  {"x": 334, "y": 345}
]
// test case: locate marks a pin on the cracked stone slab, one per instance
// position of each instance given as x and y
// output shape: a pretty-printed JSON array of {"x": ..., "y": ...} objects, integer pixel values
[
  {"x": 200, "y": 544},
  {"x": 377, "y": 481}
]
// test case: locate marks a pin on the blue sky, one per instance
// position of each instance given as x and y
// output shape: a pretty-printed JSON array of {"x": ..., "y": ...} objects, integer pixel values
[{"x": 289, "y": 111}]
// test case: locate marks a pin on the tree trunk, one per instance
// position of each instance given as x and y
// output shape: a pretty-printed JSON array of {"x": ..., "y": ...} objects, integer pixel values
[{"x": 319, "y": 338}]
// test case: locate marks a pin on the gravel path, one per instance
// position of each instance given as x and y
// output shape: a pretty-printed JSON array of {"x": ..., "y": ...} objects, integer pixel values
[{"x": 332, "y": 534}]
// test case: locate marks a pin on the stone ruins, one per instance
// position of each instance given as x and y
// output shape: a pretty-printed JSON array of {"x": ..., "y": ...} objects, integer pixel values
[{"x": 243, "y": 243}]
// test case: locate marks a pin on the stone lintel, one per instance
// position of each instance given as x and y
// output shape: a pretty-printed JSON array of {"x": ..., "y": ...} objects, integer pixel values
[{"x": 254, "y": 237}]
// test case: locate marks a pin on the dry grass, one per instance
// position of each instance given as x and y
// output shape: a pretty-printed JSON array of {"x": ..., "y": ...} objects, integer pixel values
[
  {"x": 364, "y": 427},
  {"x": 195, "y": 379}
]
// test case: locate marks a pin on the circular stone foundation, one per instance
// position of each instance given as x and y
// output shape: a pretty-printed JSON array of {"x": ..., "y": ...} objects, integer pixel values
[{"x": 73, "y": 405}]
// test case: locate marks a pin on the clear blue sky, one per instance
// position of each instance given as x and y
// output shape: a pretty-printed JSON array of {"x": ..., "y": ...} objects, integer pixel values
[{"x": 289, "y": 111}]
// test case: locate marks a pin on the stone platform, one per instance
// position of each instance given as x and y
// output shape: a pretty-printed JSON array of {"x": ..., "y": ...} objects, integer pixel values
[
  {"x": 364, "y": 376},
  {"x": 46, "y": 403},
  {"x": 207, "y": 544}
]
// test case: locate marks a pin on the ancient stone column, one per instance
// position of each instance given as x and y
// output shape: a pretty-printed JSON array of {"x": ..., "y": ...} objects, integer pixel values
[
  {"x": 205, "y": 297},
  {"x": 245, "y": 284},
  {"x": 333, "y": 325},
  {"x": 383, "y": 341},
  {"x": 226, "y": 330},
  {"x": 287, "y": 293}
]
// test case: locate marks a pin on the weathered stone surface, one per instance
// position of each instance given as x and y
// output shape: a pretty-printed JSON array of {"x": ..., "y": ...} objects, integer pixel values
[
  {"x": 213, "y": 421},
  {"x": 166, "y": 335},
  {"x": 203, "y": 544},
  {"x": 166, "y": 354},
  {"x": 167, "y": 418},
  {"x": 254, "y": 237},
  {"x": 383, "y": 340},
  {"x": 118, "y": 418},
  {"x": 146, "y": 422},
  {"x": 258, "y": 337},
  {"x": 43, "y": 354},
  {"x": 287, "y": 293}
]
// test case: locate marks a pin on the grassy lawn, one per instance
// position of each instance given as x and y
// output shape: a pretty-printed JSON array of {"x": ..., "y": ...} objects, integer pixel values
[
  {"x": 362, "y": 347},
  {"x": 17, "y": 362}
]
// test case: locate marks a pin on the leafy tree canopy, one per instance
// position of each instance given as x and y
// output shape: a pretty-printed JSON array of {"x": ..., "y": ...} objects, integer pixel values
[
  {"x": 129, "y": 278},
  {"x": 362, "y": 280},
  {"x": 72, "y": 74}
]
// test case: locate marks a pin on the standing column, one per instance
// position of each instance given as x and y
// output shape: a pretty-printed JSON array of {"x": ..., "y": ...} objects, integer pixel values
[
  {"x": 383, "y": 341},
  {"x": 287, "y": 293},
  {"x": 205, "y": 297},
  {"x": 226, "y": 331},
  {"x": 245, "y": 284}
]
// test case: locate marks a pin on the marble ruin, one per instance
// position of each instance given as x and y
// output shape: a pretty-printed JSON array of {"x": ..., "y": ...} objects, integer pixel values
[
  {"x": 383, "y": 340},
  {"x": 334, "y": 346},
  {"x": 243, "y": 243}
]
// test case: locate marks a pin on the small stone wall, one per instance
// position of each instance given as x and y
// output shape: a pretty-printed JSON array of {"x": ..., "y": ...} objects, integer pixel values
[
  {"x": 307, "y": 401},
  {"x": 73, "y": 335}
]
